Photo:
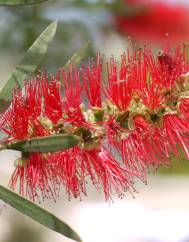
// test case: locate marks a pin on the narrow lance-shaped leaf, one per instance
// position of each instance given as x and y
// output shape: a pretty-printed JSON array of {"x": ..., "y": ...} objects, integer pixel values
[
  {"x": 50, "y": 143},
  {"x": 37, "y": 213},
  {"x": 78, "y": 55},
  {"x": 20, "y": 2},
  {"x": 29, "y": 64}
]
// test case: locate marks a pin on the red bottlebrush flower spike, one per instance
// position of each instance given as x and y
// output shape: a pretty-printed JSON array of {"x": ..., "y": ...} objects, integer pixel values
[
  {"x": 177, "y": 133},
  {"x": 52, "y": 98},
  {"x": 72, "y": 102},
  {"x": 33, "y": 97},
  {"x": 15, "y": 120},
  {"x": 134, "y": 122},
  {"x": 22, "y": 114},
  {"x": 92, "y": 78},
  {"x": 106, "y": 174},
  {"x": 110, "y": 174},
  {"x": 36, "y": 177},
  {"x": 120, "y": 88}
]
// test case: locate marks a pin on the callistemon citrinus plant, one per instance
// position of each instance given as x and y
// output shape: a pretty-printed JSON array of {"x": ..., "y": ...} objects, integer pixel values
[{"x": 122, "y": 119}]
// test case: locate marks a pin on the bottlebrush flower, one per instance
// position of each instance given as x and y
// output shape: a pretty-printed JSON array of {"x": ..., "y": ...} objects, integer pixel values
[
  {"x": 92, "y": 75},
  {"x": 106, "y": 174},
  {"x": 52, "y": 98},
  {"x": 120, "y": 88},
  {"x": 72, "y": 101},
  {"x": 154, "y": 22},
  {"x": 129, "y": 120},
  {"x": 36, "y": 177}
]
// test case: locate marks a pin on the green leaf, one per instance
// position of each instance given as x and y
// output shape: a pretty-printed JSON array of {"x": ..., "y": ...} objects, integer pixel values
[
  {"x": 78, "y": 55},
  {"x": 37, "y": 213},
  {"x": 29, "y": 64},
  {"x": 20, "y": 2},
  {"x": 52, "y": 143}
]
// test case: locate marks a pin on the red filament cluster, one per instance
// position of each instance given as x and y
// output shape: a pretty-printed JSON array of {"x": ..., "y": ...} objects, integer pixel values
[{"x": 131, "y": 116}]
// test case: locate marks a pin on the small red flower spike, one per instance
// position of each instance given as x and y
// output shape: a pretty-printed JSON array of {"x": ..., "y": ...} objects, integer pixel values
[
  {"x": 35, "y": 177},
  {"x": 92, "y": 78},
  {"x": 120, "y": 88},
  {"x": 15, "y": 120},
  {"x": 177, "y": 133},
  {"x": 127, "y": 123},
  {"x": 76, "y": 164},
  {"x": 21, "y": 116},
  {"x": 52, "y": 98},
  {"x": 72, "y": 103}
]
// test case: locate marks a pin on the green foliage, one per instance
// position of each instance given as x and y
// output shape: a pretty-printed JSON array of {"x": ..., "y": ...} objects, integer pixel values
[
  {"x": 29, "y": 64},
  {"x": 78, "y": 55},
  {"x": 20, "y": 2},
  {"x": 37, "y": 213},
  {"x": 45, "y": 144}
]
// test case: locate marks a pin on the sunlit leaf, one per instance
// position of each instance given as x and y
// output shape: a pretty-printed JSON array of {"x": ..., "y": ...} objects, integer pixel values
[
  {"x": 78, "y": 55},
  {"x": 37, "y": 213},
  {"x": 45, "y": 144},
  {"x": 20, "y": 2},
  {"x": 29, "y": 64}
]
